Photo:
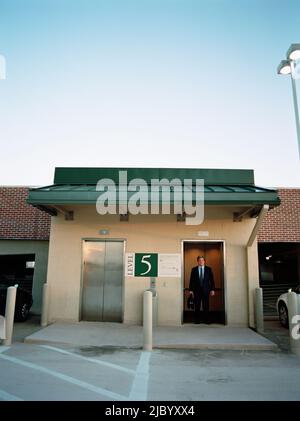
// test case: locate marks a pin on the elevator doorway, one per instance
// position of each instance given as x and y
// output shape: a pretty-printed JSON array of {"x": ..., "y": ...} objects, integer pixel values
[
  {"x": 102, "y": 285},
  {"x": 213, "y": 252}
]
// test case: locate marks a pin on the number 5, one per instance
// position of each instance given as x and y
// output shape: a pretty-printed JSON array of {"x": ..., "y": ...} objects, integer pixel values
[{"x": 146, "y": 256}]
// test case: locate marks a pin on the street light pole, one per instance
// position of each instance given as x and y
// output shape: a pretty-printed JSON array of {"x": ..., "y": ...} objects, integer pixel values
[
  {"x": 287, "y": 67},
  {"x": 292, "y": 64}
]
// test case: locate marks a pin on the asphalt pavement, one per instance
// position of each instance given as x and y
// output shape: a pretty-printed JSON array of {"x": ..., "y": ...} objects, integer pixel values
[{"x": 39, "y": 372}]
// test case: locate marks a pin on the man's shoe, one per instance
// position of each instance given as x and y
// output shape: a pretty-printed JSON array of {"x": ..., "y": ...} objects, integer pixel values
[{"x": 197, "y": 322}]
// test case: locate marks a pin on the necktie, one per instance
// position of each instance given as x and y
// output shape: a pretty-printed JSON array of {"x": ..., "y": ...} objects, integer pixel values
[{"x": 201, "y": 276}]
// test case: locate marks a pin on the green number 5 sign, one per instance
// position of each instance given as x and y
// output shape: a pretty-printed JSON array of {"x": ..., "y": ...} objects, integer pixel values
[{"x": 145, "y": 264}]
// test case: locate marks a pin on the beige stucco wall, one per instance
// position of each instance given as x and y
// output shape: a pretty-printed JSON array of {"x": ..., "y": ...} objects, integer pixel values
[{"x": 149, "y": 233}]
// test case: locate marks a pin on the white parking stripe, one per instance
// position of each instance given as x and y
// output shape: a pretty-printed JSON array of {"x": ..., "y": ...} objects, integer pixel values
[
  {"x": 65, "y": 378},
  {"x": 4, "y": 348},
  {"x": 8, "y": 397},
  {"x": 93, "y": 360},
  {"x": 139, "y": 389}
]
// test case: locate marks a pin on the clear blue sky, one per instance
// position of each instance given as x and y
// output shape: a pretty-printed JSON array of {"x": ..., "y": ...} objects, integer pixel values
[{"x": 163, "y": 83}]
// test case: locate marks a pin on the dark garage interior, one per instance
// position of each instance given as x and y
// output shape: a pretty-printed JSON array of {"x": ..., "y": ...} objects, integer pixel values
[
  {"x": 17, "y": 269},
  {"x": 279, "y": 270}
]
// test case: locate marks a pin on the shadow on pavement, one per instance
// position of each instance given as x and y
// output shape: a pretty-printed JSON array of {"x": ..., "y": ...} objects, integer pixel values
[
  {"x": 277, "y": 334},
  {"x": 23, "y": 329}
]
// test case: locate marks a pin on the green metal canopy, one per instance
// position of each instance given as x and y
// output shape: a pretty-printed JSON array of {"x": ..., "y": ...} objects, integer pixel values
[
  {"x": 221, "y": 186},
  {"x": 91, "y": 176}
]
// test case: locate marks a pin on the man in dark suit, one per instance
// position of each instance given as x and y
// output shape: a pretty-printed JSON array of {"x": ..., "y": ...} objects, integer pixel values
[{"x": 202, "y": 285}]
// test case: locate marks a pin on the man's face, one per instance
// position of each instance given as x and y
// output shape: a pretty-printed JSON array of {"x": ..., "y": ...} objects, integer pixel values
[{"x": 201, "y": 261}]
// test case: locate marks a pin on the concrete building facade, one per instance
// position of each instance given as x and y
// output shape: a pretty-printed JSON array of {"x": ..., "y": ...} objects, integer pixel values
[{"x": 233, "y": 211}]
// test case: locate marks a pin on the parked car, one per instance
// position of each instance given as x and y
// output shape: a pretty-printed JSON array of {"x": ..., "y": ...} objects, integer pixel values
[
  {"x": 23, "y": 302},
  {"x": 282, "y": 307}
]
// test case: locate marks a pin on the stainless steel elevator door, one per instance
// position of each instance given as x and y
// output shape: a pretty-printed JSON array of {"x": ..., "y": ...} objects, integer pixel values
[{"x": 102, "y": 281}]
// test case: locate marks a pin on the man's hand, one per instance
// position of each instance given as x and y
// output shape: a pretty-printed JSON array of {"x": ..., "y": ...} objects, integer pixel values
[
  {"x": 192, "y": 294},
  {"x": 212, "y": 293}
]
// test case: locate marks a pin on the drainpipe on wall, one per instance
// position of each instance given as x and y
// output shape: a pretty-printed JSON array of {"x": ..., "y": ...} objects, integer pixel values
[{"x": 252, "y": 265}]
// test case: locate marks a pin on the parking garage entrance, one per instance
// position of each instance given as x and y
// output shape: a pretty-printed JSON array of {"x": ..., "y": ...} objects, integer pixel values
[
  {"x": 17, "y": 269},
  {"x": 279, "y": 270}
]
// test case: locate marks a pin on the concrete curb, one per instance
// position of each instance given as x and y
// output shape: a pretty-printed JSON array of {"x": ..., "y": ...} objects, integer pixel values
[
  {"x": 130, "y": 337},
  {"x": 221, "y": 347}
]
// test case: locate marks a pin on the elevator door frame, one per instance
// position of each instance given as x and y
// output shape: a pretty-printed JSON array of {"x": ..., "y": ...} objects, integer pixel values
[
  {"x": 222, "y": 242},
  {"x": 101, "y": 240}
]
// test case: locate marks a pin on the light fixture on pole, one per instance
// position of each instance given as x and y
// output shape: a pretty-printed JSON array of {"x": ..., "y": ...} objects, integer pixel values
[
  {"x": 284, "y": 67},
  {"x": 287, "y": 67},
  {"x": 293, "y": 52}
]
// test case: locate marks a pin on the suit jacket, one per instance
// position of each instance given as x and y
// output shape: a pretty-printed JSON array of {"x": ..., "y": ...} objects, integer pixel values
[{"x": 208, "y": 281}]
